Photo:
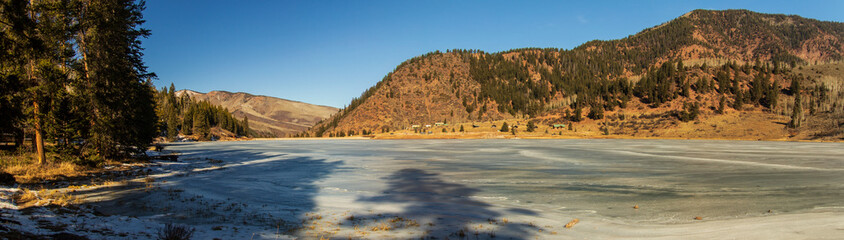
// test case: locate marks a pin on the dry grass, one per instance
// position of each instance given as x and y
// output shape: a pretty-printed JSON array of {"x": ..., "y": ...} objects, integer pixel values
[
  {"x": 34, "y": 172},
  {"x": 26, "y": 197},
  {"x": 26, "y": 169}
]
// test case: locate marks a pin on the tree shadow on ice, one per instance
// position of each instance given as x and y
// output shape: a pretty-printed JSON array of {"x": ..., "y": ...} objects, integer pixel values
[
  {"x": 443, "y": 210},
  {"x": 225, "y": 187}
]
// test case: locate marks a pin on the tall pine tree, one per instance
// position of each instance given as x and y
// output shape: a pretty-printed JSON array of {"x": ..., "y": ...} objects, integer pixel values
[{"x": 121, "y": 94}]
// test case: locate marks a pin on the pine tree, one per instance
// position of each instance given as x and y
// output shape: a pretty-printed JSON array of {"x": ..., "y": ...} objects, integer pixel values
[
  {"x": 797, "y": 111},
  {"x": 21, "y": 30},
  {"x": 739, "y": 100},
  {"x": 201, "y": 127},
  {"x": 246, "y": 126},
  {"x": 577, "y": 116},
  {"x": 504, "y": 127},
  {"x": 772, "y": 96},
  {"x": 758, "y": 88},
  {"x": 121, "y": 93},
  {"x": 38, "y": 61},
  {"x": 531, "y": 126},
  {"x": 596, "y": 112}
]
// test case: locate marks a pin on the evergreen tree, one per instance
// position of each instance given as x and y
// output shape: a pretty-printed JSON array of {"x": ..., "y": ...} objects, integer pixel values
[
  {"x": 21, "y": 37},
  {"x": 739, "y": 100},
  {"x": 795, "y": 86},
  {"x": 121, "y": 95},
  {"x": 201, "y": 126},
  {"x": 180, "y": 115},
  {"x": 504, "y": 127},
  {"x": 246, "y": 125},
  {"x": 772, "y": 96},
  {"x": 44, "y": 92},
  {"x": 577, "y": 116},
  {"x": 596, "y": 112},
  {"x": 797, "y": 111},
  {"x": 758, "y": 88}
]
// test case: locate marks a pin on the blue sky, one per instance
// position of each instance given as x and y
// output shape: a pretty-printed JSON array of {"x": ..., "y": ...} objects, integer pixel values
[{"x": 327, "y": 52}]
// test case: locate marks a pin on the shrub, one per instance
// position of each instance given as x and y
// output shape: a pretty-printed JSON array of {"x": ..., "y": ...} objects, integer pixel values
[
  {"x": 175, "y": 232},
  {"x": 531, "y": 126}
]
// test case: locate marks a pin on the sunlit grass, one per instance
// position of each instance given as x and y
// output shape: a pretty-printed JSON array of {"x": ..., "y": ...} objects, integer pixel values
[{"x": 26, "y": 197}]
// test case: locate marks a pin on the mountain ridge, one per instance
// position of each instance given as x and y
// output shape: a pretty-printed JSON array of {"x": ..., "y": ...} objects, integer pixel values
[
  {"x": 471, "y": 85},
  {"x": 179, "y": 92},
  {"x": 269, "y": 116}
]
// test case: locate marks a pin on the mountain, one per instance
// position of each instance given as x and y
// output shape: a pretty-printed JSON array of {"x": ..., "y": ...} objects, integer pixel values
[
  {"x": 698, "y": 62},
  {"x": 268, "y": 116}
]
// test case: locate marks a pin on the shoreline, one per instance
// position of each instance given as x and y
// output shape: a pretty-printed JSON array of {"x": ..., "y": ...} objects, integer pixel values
[{"x": 503, "y": 136}]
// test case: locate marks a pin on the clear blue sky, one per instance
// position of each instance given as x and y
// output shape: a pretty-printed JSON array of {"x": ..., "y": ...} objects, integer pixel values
[{"x": 327, "y": 52}]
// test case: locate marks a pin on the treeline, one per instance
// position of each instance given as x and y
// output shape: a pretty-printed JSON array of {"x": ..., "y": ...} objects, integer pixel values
[
  {"x": 72, "y": 75},
  {"x": 331, "y": 122},
  {"x": 594, "y": 72},
  {"x": 189, "y": 117}
]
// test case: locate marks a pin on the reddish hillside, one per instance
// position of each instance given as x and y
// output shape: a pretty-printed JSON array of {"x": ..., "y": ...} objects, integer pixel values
[{"x": 709, "y": 54}]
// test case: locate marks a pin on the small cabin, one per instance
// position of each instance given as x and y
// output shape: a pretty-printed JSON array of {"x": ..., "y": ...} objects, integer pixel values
[
  {"x": 440, "y": 124},
  {"x": 494, "y": 126},
  {"x": 556, "y": 126},
  {"x": 475, "y": 126},
  {"x": 414, "y": 126},
  {"x": 427, "y": 125}
]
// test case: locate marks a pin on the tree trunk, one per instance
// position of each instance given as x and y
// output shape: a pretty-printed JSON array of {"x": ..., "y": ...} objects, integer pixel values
[{"x": 39, "y": 138}]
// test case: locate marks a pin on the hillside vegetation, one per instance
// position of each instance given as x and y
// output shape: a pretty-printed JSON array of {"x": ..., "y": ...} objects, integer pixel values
[
  {"x": 268, "y": 116},
  {"x": 702, "y": 64},
  {"x": 186, "y": 116}
]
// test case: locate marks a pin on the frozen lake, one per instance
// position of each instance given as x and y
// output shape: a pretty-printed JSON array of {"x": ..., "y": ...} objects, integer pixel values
[{"x": 537, "y": 185}]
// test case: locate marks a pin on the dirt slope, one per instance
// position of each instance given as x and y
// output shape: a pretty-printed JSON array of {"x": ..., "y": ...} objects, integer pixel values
[{"x": 270, "y": 115}]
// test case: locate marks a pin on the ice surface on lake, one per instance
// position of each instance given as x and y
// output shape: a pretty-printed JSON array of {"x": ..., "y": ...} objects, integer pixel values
[{"x": 448, "y": 182}]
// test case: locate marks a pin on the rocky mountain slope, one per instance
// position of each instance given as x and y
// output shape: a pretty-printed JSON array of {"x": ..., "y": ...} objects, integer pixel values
[
  {"x": 269, "y": 116},
  {"x": 703, "y": 57}
]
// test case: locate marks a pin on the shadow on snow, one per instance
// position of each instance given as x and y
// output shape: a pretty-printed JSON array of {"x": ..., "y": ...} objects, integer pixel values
[
  {"x": 256, "y": 189},
  {"x": 443, "y": 208}
]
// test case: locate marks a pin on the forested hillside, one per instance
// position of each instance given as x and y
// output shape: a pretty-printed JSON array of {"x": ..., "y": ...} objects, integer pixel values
[
  {"x": 700, "y": 63},
  {"x": 268, "y": 116},
  {"x": 186, "y": 116},
  {"x": 72, "y": 75}
]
